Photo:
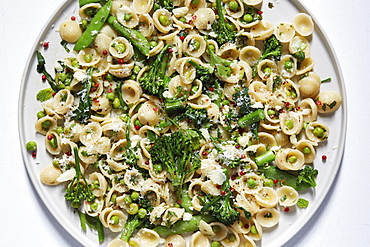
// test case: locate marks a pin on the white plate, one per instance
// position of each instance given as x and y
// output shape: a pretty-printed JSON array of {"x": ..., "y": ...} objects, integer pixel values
[{"x": 326, "y": 65}]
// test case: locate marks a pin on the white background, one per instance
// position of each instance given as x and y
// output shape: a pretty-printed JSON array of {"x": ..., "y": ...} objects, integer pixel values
[{"x": 342, "y": 220}]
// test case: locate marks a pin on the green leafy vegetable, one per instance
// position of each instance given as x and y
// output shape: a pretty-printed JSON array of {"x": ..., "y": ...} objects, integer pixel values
[
  {"x": 93, "y": 222},
  {"x": 44, "y": 94},
  {"x": 225, "y": 31},
  {"x": 83, "y": 111}
]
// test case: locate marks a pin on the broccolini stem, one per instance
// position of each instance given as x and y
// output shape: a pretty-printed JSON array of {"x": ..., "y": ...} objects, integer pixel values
[
  {"x": 251, "y": 118},
  {"x": 265, "y": 158}
]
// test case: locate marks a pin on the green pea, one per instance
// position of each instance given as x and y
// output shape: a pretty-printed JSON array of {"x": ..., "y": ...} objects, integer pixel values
[
  {"x": 60, "y": 86},
  {"x": 40, "y": 114},
  {"x": 62, "y": 77},
  {"x": 251, "y": 183},
  {"x": 216, "y": 229},
  {"x": 88, "y": 58},
  {"x": 306, "y": 150},
  {"x": 75, "y": 63},
  {"x": 127, "y": 17},
  {"x": 248, "y": 18},
  {"x": 94, "y": 206},
  {"x": 132, "y": 77},
  {"x": 84, "y": 23},
  {"x": 230, "y": 26},
  {"x": 142, "y": 213},
  {"x": 271, "y": 112},
  {"x": 216, "y": 244},
  {"x": 225, "y": 102},
  {"x": 114, "y": 220},
  {"x": 195, "y": 44},
  {"x": 133, "y": 209},
  {"x": 113, "y": 198},
  {"x": 212, "y": 48},
  {"x": 46, "y": 124},
  {"x": 127, "y": 200},
  {"x": 288, "y": 65},
  {"x": 292, "y": 159},
  {"x": 135, "y": 195},
  {"x": 116, "y": 103},
  {"x": 182, "y": 19},
  {"x": 231, "y": 238},
  {"x": 268, "y": 182},
  {"x": 110, "y": 96},
  {"x": 318, "y": 131},
  {"x": 194, "y": 2},
  {"x": 253, "y": 229},
  {"x": 158, "y": 168},
  {"x": 289, "y": 124},
  {"x": 163, "y": 19},
  {"x": 31, "y": 146},
  {"x": 267, "y": 70},
  {"x": 53, "y": 142},
  {"x": 121, "y": 48},
  {"x": 59, "y": 130},
  {"x": 109, "y": 77},
  {"x": 233, "y": 5},
  {"x": 153, "y": 43},
  {"x": 136, "y": 69},
  {"x": 194, "y": 89},
  {"x": 138, "y": 123}
]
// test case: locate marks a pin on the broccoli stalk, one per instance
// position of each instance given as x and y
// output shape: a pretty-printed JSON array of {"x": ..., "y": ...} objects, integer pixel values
[
  {"x": 137, "y": 221},
  {"x": 41, "y": 69},
  {"x": 204, "y": 74},
  {"x": 78, "y": 189},
  {"x": 223, "y": 29},
  {"x": 221, "y": 207},
  {"x": 155, "y": 81},
  {"x": 222, "y": 66}
]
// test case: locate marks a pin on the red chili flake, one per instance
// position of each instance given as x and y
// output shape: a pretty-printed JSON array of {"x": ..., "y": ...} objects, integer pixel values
[
  {"x": 287, "y": 104},
  {"x": 182, "y": 37},
  {"x": 96, "y": 100},
  {"x": 211, "y": 89},
  {"x": 34, "y": 154},
  {"x": 324, "y": 157},
  {"x": 45, "y": 44},
  {"x": 215, "y": 11},
  {"x": 246, "y": 226},
  {"x": 50, "y": 137},
  {"x": 121, "y": 61},
  {"x": 223, "y": 193},
  {"x": 110, "y": 90},
  {"x": 259, "y": 12},
  {"x": 298, "y": 108},
  {"x": 237, "y": 146},
  {"x": 137, "y": 127},
  {"x": 232, "y": 189},
  {"x": 282, "y": 111},
  {"x": 43, "y": 77},
  {"x": 170, "y": 244},
  {"x": 204, "y": 153},
  {"x": 73, "y": 18},
  {"x": 243, "y": 156},
  {"x": 242, "y": 173},
  {"x": 105, "y": 53},
  {"x": 93, "y": 89},
  {"x": 218, "y": 186},
  {"x": 276, "y": 181},
  {"x": 96, "y": 84},
  {"x": 169, "y": 50},
  {"x": 233, "y": 177},
  {"x": 179, "y": 201},
  {"x": 286, "y": 209},
  {"x": 54, "y": 94},
  {"x": 69, "y": 153},
  {"x": 194, "y": 17},
  {"x": 318, "y": 102},
  {"x": 155, "y": 109}
]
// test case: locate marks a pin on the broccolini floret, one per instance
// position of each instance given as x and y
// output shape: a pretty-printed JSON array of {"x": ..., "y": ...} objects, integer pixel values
[
  {"x": 221, "y": 207},
  {"x": 221, "y": 65},
  {"x": 271, "y": 48},
  {"x": 44, "y": 94},
  {"x": 78, "y": 189},
  {"x": 155, "y": 81},
  {"x": 307, "y": 176},
  {"x": 224, "y": 30},
  {"x": 204, "y": 74}
]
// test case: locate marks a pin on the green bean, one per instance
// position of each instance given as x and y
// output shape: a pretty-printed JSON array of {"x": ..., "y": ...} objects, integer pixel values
[
  {"x": 134, "y": 36},
  {"x": 94, "y": 27},
  {"x": 251, "y": 118}
]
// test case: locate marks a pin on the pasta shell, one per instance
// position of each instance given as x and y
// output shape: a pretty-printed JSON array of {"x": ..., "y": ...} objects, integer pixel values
[
  {"x": 175, "y": 241},
  {"x": 142, "y": 6},
  {"x": 70, "y": 31},
  {"x": 262, "y": 30},
  {"x": 90, "y": 133},
  {"x": 44, "y": 124},
  {"x": 330, "y": 101},
  {"x": 309, "y": 109},
  {"x": 49, "y": 175},
  {"x": 199, "y": 240},
  {"x": 317, "y": 132},
  {"x": 53, "y": 142},
  {"x": 148, "y": 238},
  {"x": 303, "y": 24},
  {"x": 289, "y": 159},
  {"x": 268, "y": 217},
  {"x": 205, "y": 17},
  {"x": 88, "y": 57},
  {"x": 284, "y": 32},
  {"x": 121, "y": 48},
  {"x": 122, "y": 16},
  {"x": 250, "y": 54},
  {"x": 146, "y": 26},
  {"x": 291, "y": 123},
  {"x": 288, "y": 196},
  {"x": 267, "y": 197}
]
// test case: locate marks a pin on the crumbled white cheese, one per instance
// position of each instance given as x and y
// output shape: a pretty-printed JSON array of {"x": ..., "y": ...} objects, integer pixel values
[{"x": 187, "y": 216}]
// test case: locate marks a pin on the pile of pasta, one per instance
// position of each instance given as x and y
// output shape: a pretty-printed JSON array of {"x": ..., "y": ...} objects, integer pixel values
[{"x": 296, "y": 99}]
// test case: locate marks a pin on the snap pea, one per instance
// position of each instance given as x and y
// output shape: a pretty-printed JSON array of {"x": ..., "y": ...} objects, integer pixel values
[
  {"x": 182, "y": 226},
  {"x": 93, "y": 28},
  {"x": 84, "y": 2},
  {"x": 134, "y": 36}
]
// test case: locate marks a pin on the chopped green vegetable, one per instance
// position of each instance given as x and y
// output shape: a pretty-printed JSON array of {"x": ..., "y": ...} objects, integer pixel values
[
  {"x": 302, "y": 203},
  {"x": 44, "y": 94}
]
